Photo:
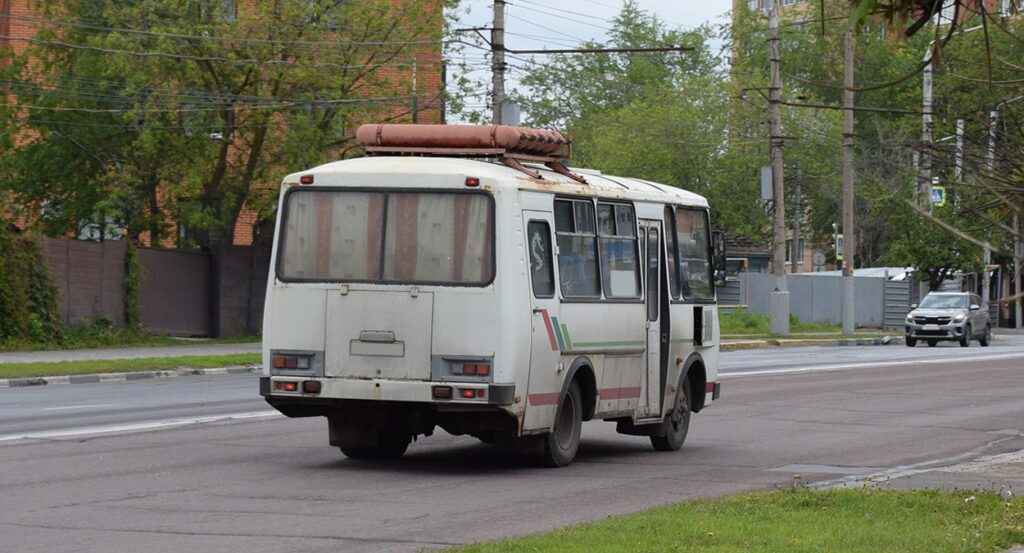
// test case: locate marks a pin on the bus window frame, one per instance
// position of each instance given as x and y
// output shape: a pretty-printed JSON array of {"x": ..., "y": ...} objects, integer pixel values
[
  {"x": 551, "y": 261},
  {"x": 682, "y": 299},
  {"x": 636, "y": 223},
  {"x": 280, "y": 247}
]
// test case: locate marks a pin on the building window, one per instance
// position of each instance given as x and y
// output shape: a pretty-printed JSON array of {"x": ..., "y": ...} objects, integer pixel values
[
  {"x": 799, "y": 253},
  {"x": 224, "y": 11}
]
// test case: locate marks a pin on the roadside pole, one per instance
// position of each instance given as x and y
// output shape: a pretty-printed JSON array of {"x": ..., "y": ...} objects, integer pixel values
[
  {"x": 849, "y": 232},
  {"x": 779, "y": 307},
  {"x": 797, "y": 213},
  {"x": 498, "y": 62}
]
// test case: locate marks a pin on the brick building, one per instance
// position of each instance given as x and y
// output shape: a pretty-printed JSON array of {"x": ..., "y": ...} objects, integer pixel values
[{"x": 21, "y": 20}]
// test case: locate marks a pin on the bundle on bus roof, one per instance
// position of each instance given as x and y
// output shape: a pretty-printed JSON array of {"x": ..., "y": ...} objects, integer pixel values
[{"x": 508, "y": 144}]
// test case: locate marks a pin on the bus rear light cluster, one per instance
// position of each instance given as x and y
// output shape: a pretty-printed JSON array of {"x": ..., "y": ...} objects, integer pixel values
[
  {"x": 308, "y": 386},
  {"x": 286, "y": 386},
  {"x": 471, "y": 369},
  {"x": 471, "y": 393},
  {"x": 291, "y": 362}
]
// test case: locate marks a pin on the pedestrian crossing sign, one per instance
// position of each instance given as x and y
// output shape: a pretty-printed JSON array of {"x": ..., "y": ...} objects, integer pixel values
[{"x": 938, "y": 196}]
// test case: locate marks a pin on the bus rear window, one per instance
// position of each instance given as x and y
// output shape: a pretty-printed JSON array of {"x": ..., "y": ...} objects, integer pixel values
[{"x": 390, "y": 237}]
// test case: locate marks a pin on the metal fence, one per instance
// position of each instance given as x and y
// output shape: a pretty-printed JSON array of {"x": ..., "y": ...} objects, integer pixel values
[
  {"x": 182, "y": 293},
  {"x": 818, "y": 298}
]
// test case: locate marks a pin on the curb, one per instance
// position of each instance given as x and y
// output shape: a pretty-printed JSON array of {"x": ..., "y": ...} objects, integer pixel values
[
  {"x": 119, "y": 377},
  {"x": 782, "y": 342}
]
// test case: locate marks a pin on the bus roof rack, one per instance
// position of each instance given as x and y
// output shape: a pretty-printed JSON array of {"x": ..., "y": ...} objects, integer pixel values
[{"x": 510, "y": 145}]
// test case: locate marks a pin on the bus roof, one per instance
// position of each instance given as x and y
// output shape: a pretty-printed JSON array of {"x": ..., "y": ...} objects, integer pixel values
[{"x": 600, "y": 185}]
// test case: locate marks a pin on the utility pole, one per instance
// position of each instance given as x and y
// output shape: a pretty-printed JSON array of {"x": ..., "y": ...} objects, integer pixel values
[
  {"x": 779, "y": 307},
  {"x": 924, "y": 180},
  {"x": 498, "y": 61},
  {"x": 798, "y": 213},
  {"x": 849, "y": 232}
]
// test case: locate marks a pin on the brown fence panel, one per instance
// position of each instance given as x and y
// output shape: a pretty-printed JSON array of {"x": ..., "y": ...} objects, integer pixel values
[
  {"x": 174, "y": 295},
  {"x": 240, "y": 283},
  {"x": 90, "y": 279}
]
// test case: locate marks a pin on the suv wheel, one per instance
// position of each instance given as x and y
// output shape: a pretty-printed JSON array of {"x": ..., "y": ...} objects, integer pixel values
[
  {"x": 965, "y": 340},
  {"x": 911, "y": 342},
  {"x": 986, "y": 338}
]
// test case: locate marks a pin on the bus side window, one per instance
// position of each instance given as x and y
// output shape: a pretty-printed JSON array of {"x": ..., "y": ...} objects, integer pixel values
[
  {"x": 577, "y": 249},
  {"x": 672, "y": 246},
  {"x": 694, "y": 253},
  {"x": 541, "y": 271},
  {"x": 620, "y": 270}
]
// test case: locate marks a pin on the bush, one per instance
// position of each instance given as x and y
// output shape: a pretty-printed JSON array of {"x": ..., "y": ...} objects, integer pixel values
[{"x": 28, "y": 298}]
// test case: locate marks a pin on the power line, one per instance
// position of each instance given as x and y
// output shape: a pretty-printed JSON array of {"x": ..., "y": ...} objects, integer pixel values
[{"x": 217, "y": 38}]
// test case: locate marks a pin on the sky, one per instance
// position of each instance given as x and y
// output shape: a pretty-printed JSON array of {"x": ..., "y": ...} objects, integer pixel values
[{"x": 537, "y": 24}]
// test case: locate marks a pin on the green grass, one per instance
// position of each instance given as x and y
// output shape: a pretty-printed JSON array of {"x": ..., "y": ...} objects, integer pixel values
[
  {"x": 91, "y": 338},
  {"x": 809, "y": 336},
  {"x": 740, "y": 321},
  {"x": 62, "y": 368},
  {"x": 798, "y": 520}
]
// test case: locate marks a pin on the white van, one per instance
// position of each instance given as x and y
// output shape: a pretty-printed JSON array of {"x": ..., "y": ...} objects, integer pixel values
[{"x": 428, "y": 285}]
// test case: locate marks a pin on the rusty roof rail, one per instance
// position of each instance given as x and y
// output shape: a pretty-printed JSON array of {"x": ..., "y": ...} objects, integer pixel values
[{"x": 509, "y": 144}]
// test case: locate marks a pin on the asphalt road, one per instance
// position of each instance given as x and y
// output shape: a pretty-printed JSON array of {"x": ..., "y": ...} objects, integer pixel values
[{"x": 199, "y": 463}]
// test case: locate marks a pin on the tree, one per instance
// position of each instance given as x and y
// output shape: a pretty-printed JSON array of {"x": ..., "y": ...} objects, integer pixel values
[{"x": 148, "y": 113}]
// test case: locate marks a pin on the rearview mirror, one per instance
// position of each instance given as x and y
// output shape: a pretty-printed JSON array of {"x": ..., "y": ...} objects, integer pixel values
[
  {"x": 913, "y": 306},
  {"x": 975, "y": 307},
  {"x": 718, "y": 257}
]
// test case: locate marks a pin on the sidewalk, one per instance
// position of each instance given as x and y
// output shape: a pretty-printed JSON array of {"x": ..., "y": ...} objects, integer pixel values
[{"x": 126, "y": 353}]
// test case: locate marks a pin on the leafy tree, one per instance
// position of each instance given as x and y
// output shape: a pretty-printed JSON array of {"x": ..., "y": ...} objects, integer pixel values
[{"x": 143, "y": 113}]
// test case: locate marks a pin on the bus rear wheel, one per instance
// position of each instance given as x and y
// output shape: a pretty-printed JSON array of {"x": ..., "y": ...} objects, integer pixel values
[
  {"x": 391, "y": 444},
  {"x": 677, "y": 422},
  {"x": 561, "y": 445}
]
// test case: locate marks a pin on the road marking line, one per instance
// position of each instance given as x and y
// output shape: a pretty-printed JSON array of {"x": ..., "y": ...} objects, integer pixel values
[
  {"x": 865, "y": 365},
  {"x": 79, "y": 407},
  {"x": 135, "y": 427}
]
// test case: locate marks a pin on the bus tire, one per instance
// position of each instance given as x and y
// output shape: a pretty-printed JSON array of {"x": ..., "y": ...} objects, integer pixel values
[
  {"x": 390, "y": 445},
  {"x": 677, "y": 422},
  {"x": 561, "y": 444}
]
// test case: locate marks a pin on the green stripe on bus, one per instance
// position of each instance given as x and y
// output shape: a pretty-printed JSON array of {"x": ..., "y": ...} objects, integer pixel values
[
  {"x": 636, "y": 343},
  {"x": 558, "y": 333},
  {"x": 568, "y": 340}
]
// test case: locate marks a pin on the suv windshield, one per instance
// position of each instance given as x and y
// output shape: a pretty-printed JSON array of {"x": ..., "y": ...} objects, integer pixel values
[
  {"x": 932, "y": 301},
  {"x": 387, "y": 237}
]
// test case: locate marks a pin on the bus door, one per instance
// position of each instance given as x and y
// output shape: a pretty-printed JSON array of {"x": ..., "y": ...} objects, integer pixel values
[
  {"x": 544, "y": 384},
  {"x": 652, "y": 383}
]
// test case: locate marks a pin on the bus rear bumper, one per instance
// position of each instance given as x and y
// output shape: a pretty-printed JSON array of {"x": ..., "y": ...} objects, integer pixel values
[{"x": 416, "y": 391}]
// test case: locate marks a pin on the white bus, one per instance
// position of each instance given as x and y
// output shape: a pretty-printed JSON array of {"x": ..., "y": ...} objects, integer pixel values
[{"x": 440, "y": 282}]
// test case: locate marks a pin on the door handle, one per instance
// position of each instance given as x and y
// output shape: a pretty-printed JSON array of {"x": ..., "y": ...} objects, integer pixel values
[{"x": 537, "y": 310}]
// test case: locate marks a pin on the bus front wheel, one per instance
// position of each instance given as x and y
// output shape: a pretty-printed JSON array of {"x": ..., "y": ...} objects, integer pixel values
[
  {"x": 677, "y": 422},
  {"x": 561, "y": 444}
]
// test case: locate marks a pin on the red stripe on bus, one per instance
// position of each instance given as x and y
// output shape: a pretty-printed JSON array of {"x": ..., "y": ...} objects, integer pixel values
[
  {"x": 710, "y": 388},
  {"x": 550, "y": 398},
  {"x": 551, "y": 331},
  {"x": 619, "y": 393}
]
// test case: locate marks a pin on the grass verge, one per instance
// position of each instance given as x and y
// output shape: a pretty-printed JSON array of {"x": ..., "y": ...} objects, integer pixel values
[
  {"x": 741, "y": 321},
  {"x": 90, "y": 338},
  {"x": 809, "y": 336},
  {"x": 798, "y": 520},
  {"x": 63, "y": 368}
]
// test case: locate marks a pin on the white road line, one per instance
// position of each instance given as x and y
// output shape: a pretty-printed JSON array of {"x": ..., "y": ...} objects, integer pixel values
[
  {"x": 79, "y": 407},
  {"x": 865, "y": 365},
  {"x": 135, "y": 427}
]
